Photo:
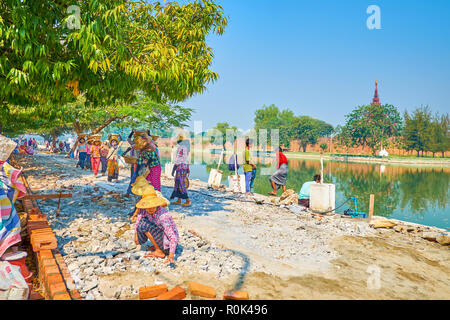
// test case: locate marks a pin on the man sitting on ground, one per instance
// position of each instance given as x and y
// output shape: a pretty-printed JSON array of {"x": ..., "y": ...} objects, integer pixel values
[{"x": 305, "y": 191}]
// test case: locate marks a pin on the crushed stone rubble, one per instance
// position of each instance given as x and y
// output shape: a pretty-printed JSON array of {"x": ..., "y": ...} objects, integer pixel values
[{"x": 96, "y": 238}]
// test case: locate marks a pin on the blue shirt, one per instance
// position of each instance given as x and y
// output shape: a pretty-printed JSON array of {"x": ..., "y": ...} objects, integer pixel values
[{"x": 305, "y": 191}]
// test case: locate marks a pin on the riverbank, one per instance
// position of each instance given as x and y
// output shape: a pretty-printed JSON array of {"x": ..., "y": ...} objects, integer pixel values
[
  {"x": 354, "y": 158},
  {"x": 351, "y": 158},
  {"x": 269, "y": 251}
]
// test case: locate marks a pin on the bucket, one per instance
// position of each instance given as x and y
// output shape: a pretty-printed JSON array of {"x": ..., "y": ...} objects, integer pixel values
[{"x": 18, "y": 259}]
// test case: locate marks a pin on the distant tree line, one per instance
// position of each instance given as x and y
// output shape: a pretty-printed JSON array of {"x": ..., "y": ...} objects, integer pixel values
[{"x": 372, "y": 126}]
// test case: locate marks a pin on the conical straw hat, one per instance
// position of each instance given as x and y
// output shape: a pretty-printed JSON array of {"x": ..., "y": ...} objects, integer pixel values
[{"x": 148, "y": 202}]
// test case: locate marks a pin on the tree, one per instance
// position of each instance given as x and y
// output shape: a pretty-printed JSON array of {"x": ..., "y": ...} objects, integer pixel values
[
  {"x": 371, "y": 126},
  {"x": 440, "y": 134},
  {"x": 121, "y": 49},
  {"x": 271, "y": 118},
  {"x": 324, "y": 147},
  {"x": 305, "y": 129},
  {"x": 418, "y": 130}
]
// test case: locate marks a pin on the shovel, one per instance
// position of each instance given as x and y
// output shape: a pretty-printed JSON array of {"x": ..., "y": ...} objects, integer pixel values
[{"x": 215, "y": 176}]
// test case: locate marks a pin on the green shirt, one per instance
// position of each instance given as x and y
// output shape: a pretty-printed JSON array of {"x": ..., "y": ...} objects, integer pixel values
[
  {"x": 247, "y": 166},
  {"x": 305, "y": 191}
]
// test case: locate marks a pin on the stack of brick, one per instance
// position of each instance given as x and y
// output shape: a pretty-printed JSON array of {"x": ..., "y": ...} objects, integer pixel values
[
  {"x": 54, "y": 276},
  {"x": 178, "y": 293}
]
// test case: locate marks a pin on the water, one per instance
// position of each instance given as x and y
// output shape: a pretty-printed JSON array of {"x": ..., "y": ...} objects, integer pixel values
[{"x": 414, "y": 194}]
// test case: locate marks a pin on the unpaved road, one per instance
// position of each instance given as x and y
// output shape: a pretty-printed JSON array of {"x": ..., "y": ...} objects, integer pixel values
[{"x": 280, "y": 255}]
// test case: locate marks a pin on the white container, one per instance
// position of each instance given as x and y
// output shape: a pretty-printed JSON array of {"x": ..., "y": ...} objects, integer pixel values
[
  {"x": 237, "y": 183},
  {"x": 322, "y": 197},
  {"x": 168, "y": 169}
]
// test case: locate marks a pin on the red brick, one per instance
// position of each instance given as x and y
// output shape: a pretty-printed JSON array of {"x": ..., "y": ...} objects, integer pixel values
[
  {"x": 36, "y": 217},
  {"x": 75, "y": 294},
  {"x": 152, "y": 292},
  {"x": 62, "y": 296},
  {"x": 56, "y": 288},
  {"x": 176, "y": 293},
  {"x": 236, "y": 295},
  {"x": 43, "y": 242},
  {"x": 201, "y": 290},
  {"x": 53, "y": 278},
  {"x": 44, "y": 254},
  {"x": 50, "y": 269}
]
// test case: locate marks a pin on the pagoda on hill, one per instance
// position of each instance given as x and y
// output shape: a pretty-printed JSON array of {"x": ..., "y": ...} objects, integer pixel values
[{"x": 376, "y": 99}]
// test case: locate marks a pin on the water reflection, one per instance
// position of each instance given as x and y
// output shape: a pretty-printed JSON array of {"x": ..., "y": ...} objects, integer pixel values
[{"x": 408, "y": 193}]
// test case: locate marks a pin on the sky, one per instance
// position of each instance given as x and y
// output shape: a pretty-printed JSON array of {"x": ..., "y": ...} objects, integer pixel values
[{"x": 319, "y": 58}]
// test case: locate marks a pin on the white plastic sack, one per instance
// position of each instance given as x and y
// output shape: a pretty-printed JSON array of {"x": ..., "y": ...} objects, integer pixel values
[
  {"x": 12, "y": 283},
  {"x": 168, "y": 169},
  {"x": 7, "y": 146},
  {"x": 122, "y": 163}
]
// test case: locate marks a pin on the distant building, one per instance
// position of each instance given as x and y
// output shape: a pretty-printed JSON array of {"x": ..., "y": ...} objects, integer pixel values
[{"x": 376, "y": 99}]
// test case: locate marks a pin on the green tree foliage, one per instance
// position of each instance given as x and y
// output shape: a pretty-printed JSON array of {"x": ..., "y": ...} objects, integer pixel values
[
  {"x": 308, "y": 130},
  {"x": 271, "y": 118},
  {"x": 303, "y": 128},
  {"x": 418, "y": 130},
  {"x": 120, "y": 48},
  {"x": 371, "y": 126}
]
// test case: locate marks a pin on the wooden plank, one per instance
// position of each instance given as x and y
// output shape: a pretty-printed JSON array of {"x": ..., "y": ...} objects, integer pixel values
[
  {"x": 371, "y": 206},
  {"x": 46, "y": 196}
]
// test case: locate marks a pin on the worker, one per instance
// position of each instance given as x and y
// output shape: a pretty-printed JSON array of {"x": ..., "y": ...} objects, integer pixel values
[{"x": 305, "y": 191}]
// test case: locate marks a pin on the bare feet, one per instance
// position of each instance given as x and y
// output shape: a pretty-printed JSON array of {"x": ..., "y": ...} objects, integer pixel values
[
  {"x": 187, "y": 204},
  {"x": 177, "y": 203},
  {"x": 272, "y": 193},
  {"x": 156, "y": 254}
]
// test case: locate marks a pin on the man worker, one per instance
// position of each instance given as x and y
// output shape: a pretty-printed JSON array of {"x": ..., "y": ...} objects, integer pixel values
[{"x": 305, "y": 191}]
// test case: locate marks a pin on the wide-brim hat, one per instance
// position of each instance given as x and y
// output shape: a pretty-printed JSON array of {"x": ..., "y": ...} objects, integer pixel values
[
  {"x": 113, "y": 139},
  {"x": 141, "y": 190},
  {"x": 141, "y": 186},
  {"x": 151, "y": 198},
  {"x": 155, "y": 137},
  {"x": 148, "y": 202},
  {"x": 181, "y": 137},
  {"x": 97, "y": 141}
]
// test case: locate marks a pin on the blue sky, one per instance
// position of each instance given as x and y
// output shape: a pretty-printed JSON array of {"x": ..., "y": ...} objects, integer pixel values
[{"x": 318, "y": 58}]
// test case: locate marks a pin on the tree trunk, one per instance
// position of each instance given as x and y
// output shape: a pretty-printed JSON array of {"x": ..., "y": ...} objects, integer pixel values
[
  {"x": 77, "y": 128},
  {"x": 1, "y": 127},
  {"x": 107, "y": 123},
  {"x": 78, "y": 131}
]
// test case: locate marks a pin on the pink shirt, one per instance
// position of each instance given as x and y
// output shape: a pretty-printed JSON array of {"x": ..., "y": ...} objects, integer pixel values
[{"x": 88, "y": 148}]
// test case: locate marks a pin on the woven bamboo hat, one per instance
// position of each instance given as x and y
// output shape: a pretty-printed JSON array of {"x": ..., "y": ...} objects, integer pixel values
[
  {"x": 141, "y": 187},
  {"x": 98, "y": 142},
  {"x": 151, "y": 199}
]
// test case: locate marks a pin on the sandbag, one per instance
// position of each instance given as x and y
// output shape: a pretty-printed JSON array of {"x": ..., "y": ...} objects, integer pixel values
[{"x": 12, "y": 283}]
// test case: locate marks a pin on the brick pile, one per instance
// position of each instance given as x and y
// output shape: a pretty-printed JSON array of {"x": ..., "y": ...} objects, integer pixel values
[{"x": 178, "y": 293}]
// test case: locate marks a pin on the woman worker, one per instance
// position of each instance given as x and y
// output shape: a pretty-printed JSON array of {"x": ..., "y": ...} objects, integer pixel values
[
  {"x": 278, "y": 179},
  {"x": 182, "y": 172},
  {"x": 148, "y": 161},
  {"x": 154, "y": 222}
]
